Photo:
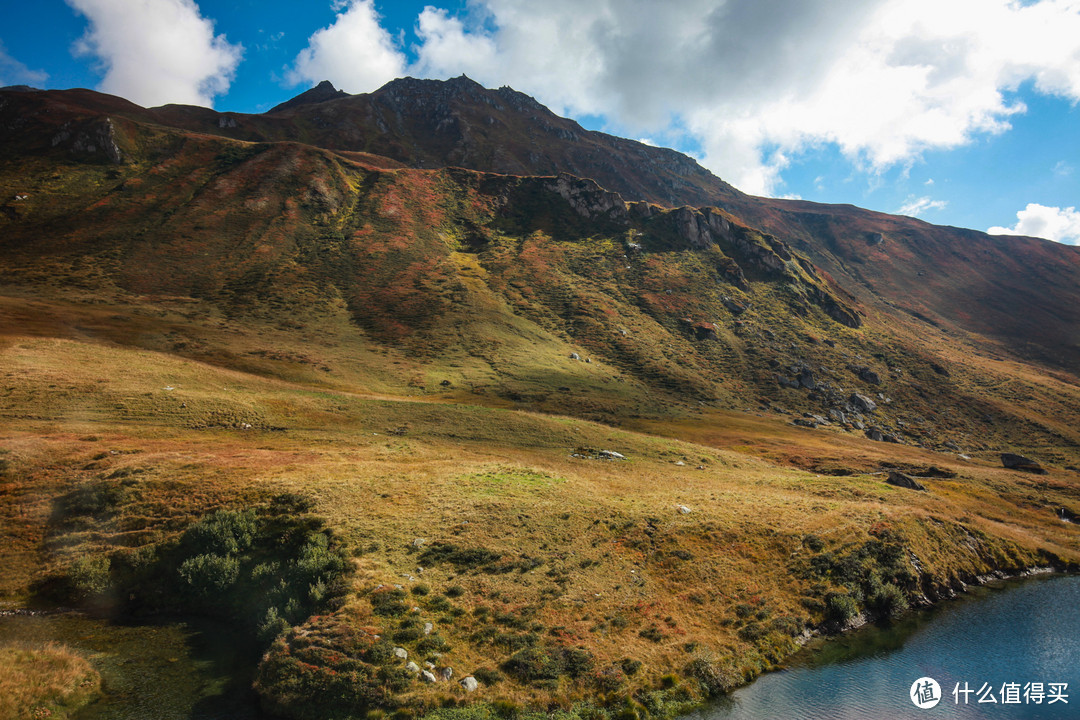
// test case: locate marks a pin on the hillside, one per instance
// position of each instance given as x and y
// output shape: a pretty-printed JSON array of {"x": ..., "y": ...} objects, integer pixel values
[{"x": 623, "y": 437}]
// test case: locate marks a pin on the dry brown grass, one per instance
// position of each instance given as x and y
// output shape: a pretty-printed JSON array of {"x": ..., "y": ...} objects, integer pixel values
[
  {"x": 615, "y": 556},
  {"x": 48, "y": 681}
]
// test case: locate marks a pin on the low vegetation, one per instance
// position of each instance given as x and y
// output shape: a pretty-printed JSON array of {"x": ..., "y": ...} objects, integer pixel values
[{"x": 49, "y": 681}]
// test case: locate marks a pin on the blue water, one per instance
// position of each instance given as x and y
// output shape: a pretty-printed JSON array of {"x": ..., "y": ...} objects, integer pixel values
[{"x": 1019, "y": 632}]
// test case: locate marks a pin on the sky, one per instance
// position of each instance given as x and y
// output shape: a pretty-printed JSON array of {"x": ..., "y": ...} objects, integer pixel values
[{"x": 959, "y": 112}]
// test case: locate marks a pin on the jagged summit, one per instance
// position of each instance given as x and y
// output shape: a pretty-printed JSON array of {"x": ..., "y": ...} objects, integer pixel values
[{"x": 322, "y": 92}]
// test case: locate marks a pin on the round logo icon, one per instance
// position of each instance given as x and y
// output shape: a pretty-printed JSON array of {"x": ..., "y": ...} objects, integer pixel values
[{"x": 925, "y": 693}]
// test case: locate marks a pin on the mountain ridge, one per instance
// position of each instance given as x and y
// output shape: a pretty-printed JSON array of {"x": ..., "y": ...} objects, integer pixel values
[{"x": 888, "y": 262}]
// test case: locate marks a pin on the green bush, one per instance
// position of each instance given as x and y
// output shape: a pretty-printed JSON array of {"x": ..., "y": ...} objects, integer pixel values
[
  {"x": 405, "y": 635},
  {"x": 652, "y": 633},
  {"x": 432, "y": 644},
  {"x": 223, "y": 532},
  {"x": 387, "y": 603},
  {"x": 714, "y": 675},
  {"x": 89, "y": 577},
  {"x": 462, "y": 558},
  {"x": 888, "y": 601},
  {"x": 534, "y": 663},
  {"x": 840, "y": 607},
  {"x": 541, "y": 664},
  {"x": 752, "y": 632},
  {"x": 207, "y": 576},
  {"x": 487, "y": 676}
]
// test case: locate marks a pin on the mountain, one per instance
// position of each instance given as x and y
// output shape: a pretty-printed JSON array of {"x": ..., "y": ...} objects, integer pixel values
[
  {"x": 960, "y": 280},
  {"x": 629, "y": 421}
]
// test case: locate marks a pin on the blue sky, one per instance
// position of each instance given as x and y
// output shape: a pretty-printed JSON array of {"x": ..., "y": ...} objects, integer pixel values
[{"x": 960, "y": 112}]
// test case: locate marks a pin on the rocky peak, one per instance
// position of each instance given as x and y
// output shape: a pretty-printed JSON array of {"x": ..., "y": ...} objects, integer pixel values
[{"x": 322, "y": 92}]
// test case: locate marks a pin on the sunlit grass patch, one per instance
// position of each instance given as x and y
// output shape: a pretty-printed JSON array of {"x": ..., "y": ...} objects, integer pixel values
[{"x": 48, "y": 681}]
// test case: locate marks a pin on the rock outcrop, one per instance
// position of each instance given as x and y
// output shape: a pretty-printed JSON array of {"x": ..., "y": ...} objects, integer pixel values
[{"x": 1018, "y": 462}]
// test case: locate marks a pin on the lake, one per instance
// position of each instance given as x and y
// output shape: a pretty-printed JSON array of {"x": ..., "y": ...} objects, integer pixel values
[{"x": 997, "y": 639}]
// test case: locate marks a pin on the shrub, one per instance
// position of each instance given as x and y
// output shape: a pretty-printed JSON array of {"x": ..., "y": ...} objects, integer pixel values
[
  {"x": 752, "y": 632},
  {"x": 439, "y": 603},
  {"x": 405, "y": 635},
  {"x": 840, "y": 607},
  {"x": 222, "y": 532},
  {"x": 533, "y": 664},
  {"x": 576, "y": 662},
  {"x": 514, "y": 642},
  {"x": 888, "y": 601},
  {"x": 432, "y": 643},
  {"x": 487, "y": 676},
  {"x": 454, "y": 591},
  {"x": 88, "y": 577},
  {"x": 652, "y": 633},
  {"x": 714, "y": 675},
  {"x": 462, "y": 558},
  {"x": 387, "y": 603},
  {"x": 630, "y": 666},
  {"x": 272, "y": 625},
  {"x": 506, "y": 708},
  {"x": 208, "y": 576}
]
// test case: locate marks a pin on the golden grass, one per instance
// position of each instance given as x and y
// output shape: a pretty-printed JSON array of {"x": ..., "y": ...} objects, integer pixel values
[
  {"x": 48, "y": 681},
  {"x": 615, "y": 554}
]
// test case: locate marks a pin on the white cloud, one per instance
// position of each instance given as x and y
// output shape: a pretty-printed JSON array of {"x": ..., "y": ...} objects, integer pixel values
[
  {"x": 354, "y": 53},
  {"x": 756, "y": 82},
  {"x": 1062, "y": 169},
  {"x": 1052, "y": 223},
  {"x": 917, "y": 206},
  {"x": 13, "y": 72},
  {"x": 157, "y": 51}
]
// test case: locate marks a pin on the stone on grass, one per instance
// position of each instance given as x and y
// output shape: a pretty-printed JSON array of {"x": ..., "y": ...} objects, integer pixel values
[
  {"x": 899, "y": 479},
  {"x": 1019, "y": 462}
]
